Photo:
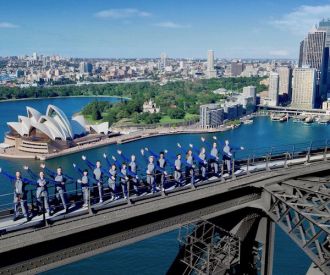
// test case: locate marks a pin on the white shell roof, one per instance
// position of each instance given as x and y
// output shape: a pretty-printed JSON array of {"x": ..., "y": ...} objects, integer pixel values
[{"x": 54, "y": 124}]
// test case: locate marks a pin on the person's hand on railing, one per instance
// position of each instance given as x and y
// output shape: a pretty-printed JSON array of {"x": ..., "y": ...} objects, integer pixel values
[
  {"x": 74, "y": 165},
  {"x": 146, "y": 148},
  {"x": 215, "y": 138},
  {"x": 83, "y": 157},
  {"x": 0, "y": 170},
  {"x": 79, "y": 180},
  {"x": 104, "y": 155},
  {"x": 179, "y": 145},
  {"x": 114, "y": 158},
  {"x": 42, "y": 165},
  {"x": 165, "y": 151},
  {"x": 191, "y": 146},
  {"x": 142, "y": 152},
  {"x": 25, "y": 167},
  {"x": 119, "y": 152},
  {"x": 242, "y": 148},
  {"x": 202, "y": 139}
]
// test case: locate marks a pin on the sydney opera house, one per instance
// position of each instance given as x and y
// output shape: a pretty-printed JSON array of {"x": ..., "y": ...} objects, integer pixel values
[{"x": 52, "y": 132}]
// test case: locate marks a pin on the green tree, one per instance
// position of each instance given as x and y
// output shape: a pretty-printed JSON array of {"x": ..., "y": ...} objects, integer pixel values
[
  {"x": 176, "y": 113},
  {"x": 96, "y": 114}
]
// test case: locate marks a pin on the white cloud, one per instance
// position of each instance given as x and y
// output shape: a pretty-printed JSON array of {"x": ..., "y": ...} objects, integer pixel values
[
  {"x": 279, "y": 53},
  {"x": 171, "y": 25},
  {"x": 121, "y": 13},
  {"x": 302, "y": 19},
  {"x": 7, "y": 25}
]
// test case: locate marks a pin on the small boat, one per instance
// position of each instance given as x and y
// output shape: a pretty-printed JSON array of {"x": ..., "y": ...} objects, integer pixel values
[
  {"x": 324, "y": 120},
  {"x": 309, "y": 120},
  {"x": 248, "y": 121},
  {"x": 285, "y": 118},
  {"x": 278, "y": 117}
]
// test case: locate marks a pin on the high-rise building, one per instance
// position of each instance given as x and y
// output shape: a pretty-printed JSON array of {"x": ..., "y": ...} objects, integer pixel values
[
  {"x": 313, "y": 51},
  {"x": 85, "y": 67},
  {"x": 82, "y": 67},
  {"x": 35, "y": 56},
  {"x": 211, "y": 115},
  {"x": 324, "y": 25},
  {"x": 316, "y": 55},
  {"x": 236, "y": 68},
  {"x": 250, "y": 91},
  {"x": 273, "y": 89},
  {"x": 304, "y": 88},
  {"x": 285, "y": 77},
  {"x": 211, "y": 73},
  {"x": 19, "y": 73},
  {"x": 89, "y": 68},
  {"x": 301, "y": 54},
  {"x": 163, "y": 58}
]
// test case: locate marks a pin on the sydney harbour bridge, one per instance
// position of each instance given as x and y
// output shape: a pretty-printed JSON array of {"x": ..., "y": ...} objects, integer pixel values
[{"x": 225, "y": 224}]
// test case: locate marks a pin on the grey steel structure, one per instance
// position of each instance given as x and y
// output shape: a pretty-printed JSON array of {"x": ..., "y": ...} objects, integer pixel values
[
  {"x": 208, "y": 249},
  {"x": 284, "y": 185}
]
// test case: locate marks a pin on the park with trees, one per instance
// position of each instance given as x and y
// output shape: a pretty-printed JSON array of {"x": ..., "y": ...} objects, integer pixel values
[{"x": 178, "y": 101}]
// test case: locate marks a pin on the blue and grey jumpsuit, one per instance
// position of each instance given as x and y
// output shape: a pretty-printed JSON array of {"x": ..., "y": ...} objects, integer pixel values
[
  {"x": 214, "y": 157},
  {"x": 124, "y": 180},
  {"x": 85, "y": 189},
  {"x": 98, "y": 176},
  {"x": 20, "y": 198},
  {"x": 161, "y": 165},
  {"x": 112, "y": 181},
  {"x": 178, "y": 171},
  {"x": 190, "y": 173},
  {"x": 151, "y": 176},
  {"x": 202, "y": 164},
  {"x": 60, "y": 189},
  {"x": 42, "y": 193}
]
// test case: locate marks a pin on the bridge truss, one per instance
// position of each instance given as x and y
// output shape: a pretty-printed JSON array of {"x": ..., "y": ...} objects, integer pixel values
[
  {"x": 208, "y": 249},
  {"x": 302, "y": 209}
]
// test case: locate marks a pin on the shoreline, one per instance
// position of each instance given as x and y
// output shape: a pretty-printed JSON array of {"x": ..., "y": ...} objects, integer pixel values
[
  {"x": 70, "y": 96},
  {"x": 124, "y": 138}
]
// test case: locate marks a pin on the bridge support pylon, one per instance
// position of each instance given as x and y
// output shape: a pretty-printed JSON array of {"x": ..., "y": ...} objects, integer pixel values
[{"x": 266, "y": 237}]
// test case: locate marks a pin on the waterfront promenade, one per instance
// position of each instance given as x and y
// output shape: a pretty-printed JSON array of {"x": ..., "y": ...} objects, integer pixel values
[{"x": 128, "y": 135}]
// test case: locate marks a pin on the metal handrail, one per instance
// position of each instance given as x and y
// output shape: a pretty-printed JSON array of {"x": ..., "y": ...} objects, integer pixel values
[{"x": 131, "y": 191}]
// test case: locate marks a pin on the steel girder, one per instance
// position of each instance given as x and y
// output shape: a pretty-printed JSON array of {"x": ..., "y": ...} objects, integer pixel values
[
  {"x": 304, "y": 215},
  {"x": 208, "y": 249}
]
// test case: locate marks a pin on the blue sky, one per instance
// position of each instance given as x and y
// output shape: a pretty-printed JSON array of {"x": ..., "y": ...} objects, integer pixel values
[{"x": 181, "y": 28}]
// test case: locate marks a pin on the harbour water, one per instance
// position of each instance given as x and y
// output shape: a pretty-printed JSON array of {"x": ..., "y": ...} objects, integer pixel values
[{"x": 153, "y": 256}]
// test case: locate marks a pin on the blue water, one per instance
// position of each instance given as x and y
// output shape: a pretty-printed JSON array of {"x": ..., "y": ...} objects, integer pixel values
[
  {"x": 11, "y": 109},
  {"x": 153, "y": 256}
]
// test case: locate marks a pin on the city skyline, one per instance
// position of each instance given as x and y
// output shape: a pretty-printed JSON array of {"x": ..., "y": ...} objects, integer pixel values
[{"x": 117, "y": 29}]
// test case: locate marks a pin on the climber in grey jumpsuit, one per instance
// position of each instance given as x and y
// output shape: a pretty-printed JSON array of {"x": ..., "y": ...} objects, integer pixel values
[{"x": 151, "y": 174}]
